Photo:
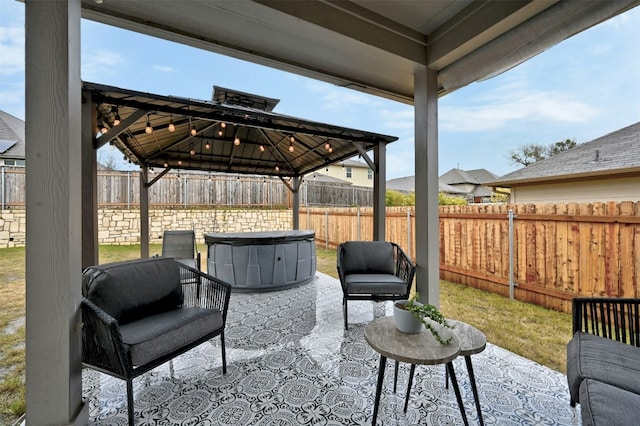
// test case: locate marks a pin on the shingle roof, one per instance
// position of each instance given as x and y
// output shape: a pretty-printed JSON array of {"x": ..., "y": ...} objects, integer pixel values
[
  {"x": 12, "y": 131},
  {"x": 476, "y": 177},
  {"x": 408, "y": 184},
  {"x": 615, "y": 153}
]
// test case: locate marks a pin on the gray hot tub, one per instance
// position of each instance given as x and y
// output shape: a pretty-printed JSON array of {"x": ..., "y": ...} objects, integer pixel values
[{"x": 262, "y": 261}]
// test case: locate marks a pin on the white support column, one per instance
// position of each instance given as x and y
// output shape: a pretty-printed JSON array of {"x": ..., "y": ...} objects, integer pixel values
[
  {"x": 54, "y": 209},
  {"x": 379, "y": 192},
  {"x": 144, "y": 212},
  {"x": 426, "y": 183}
]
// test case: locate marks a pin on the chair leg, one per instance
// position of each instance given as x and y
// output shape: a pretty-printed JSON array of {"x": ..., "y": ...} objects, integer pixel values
[
  {"x": 224, "y": 354},
  {"x": 132, "y": 420},
  {"x": 344, "y": 312}
]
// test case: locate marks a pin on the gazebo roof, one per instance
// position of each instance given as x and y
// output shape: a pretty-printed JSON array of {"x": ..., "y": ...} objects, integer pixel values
[{"x": 235, "y": 132}]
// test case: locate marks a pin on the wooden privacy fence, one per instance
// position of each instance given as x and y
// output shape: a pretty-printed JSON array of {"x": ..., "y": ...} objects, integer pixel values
[
  {"x": 560, "y": 251},
  {"x": 196, "y": 190}
]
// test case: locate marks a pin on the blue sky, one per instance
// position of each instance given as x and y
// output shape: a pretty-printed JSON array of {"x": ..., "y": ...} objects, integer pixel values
[{"x": 583, "y": 88}]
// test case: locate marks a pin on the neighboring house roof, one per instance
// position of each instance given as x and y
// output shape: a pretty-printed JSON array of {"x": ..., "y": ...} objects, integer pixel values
[
  {"x": 11, "y": 136},
  {"x": 476, "y": 177},
  {"x": 352, "y": 163},
  {"x": 615, "y": 153},
  {"x": 408, "y": 184}
]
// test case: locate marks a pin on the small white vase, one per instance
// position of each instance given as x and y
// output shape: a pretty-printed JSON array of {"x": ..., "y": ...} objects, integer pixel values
[{"x": 405, "y": 321}]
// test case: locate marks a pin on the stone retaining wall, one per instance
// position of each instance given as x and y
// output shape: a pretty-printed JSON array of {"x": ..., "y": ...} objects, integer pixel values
[{"x": 122, "y": 226}]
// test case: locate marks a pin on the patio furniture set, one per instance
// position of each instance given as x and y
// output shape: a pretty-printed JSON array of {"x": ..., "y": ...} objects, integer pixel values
[{"x": 140, "y": 314}]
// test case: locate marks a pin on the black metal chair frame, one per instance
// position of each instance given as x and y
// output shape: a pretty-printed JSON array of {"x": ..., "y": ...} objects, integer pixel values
[
  {"x": 404, "y": 269},
  {"x": 170, "y": 252},
  {"x": 104, "y": 351}
]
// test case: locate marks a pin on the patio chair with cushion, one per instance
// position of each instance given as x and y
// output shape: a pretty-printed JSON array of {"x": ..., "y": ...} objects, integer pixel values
[
  {"x": 373, "y": 270},
  {"x": 139, "y": 314},
  {"x": 181, "y": 245}
]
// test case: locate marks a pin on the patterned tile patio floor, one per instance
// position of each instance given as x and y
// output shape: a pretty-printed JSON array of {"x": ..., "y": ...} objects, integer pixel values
[{"x": 290, "y": 362}]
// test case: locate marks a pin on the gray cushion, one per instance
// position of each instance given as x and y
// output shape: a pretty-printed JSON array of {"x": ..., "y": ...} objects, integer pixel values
[
  {"x": 367, "y": 257},
  {"x": 605, "y": 360},
  {"x": 134, "y": 289},
  {"x": 157, "y": 335},
  {"x": 603, "y": 404},
  {"x": 375, "y": 284}
]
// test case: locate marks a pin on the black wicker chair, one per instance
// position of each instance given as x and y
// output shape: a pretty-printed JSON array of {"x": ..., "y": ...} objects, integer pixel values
[
  {"x": 140, "y": 314},
  {"x": 373, "y": 270},
  {"x": 603, "y": 360}
]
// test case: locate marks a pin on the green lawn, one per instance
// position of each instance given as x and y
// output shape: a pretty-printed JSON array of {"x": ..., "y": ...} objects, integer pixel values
[{"x": 531, "y": 331}]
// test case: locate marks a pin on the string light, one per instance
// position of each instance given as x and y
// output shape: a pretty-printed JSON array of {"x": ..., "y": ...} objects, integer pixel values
[
  {"x": 277, "y": 168},
  {"x": 327, "y": 145},
  {"x": 148, "y": 129},
  {"x": 179, "y": 162},
  {"x": 236, "y": 141},
  {"x": 192, "y": 152},
  {"x": 171, "y": 127},
  {"x": 116, "y": 121},
  {"x": 261, "y": 148},
  {"x": 220, "y": 132},
  {"x": 193, "y": 130},
  {"x": 223, "y": 125},
  {"x": 291, "y": 147},
  {"x": 104, "y": 129},
  {"x": 207, "y": 146},
  {"x": 166, "y": 164}
]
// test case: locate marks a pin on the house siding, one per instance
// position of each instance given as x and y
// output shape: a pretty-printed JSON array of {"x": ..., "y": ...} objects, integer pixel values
[{"x": 613, "y": 189}]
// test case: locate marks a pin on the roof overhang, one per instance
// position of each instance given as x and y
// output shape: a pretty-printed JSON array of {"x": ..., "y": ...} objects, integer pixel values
[
  {"x": 368, "y": 45},
  {"x": 217, "y": 136}
]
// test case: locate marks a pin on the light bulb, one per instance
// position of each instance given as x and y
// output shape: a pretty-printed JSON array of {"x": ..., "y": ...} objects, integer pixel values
[
  {"x": 223, "y": 125},
  {"x": 166, "y": 164},
  {"x": 261, "y": 148},
  {"x": 193, "y": 131},
  {"x": 104, "y": 129},
  {"x": 220, "y": 133},
  {"x": 292, "y": 139},
  {"x": 148, "y": 129},
  {"x": 172, "y": 127},
  {"x": 291, "y": 148},
  {"x": 330, "y": 149},
  {"x": 179, "y": 162},
  {"x": 236, "y": 141},
  {"x": 116, "y": 121},
  {"x": 277, "y": 169},
  {"x": 327, "y": 146},
  {"x": 207, "y": 146},
  {"x": 192, "y": 152}
]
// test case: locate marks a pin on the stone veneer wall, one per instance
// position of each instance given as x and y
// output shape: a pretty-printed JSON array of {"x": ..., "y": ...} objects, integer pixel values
[{"x": 122, "y": 226}]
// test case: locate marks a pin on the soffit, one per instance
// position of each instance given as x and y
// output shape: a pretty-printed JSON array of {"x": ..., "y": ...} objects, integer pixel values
[{"x": 369, "y": 45}]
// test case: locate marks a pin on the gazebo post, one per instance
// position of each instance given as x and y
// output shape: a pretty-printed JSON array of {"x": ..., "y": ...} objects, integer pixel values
[
  {"x": 295, "y": 207},
  {"x": 379, "y": 191},
  {"x": 144, "y": 212}
]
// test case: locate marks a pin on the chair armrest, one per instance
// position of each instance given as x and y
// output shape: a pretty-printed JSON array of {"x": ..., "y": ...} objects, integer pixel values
[
  {"x": 204, "y": 291},
  {"x": 102, "y": 345},
  {"x": 613, "y": 318},
  {"x": 405, "y": 268}
]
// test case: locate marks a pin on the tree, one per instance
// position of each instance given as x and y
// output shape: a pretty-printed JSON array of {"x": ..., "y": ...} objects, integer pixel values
[{"x": 531, "y": 153}]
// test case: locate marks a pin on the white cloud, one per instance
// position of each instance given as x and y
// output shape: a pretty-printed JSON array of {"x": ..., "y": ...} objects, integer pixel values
[
  {"x": 518, "y": 105},
  {"x": 337, "y": 98},
  {"x": 164, "y": 68},
  {"x": 12, "y": 48},
  {"x": 97, "y": 64}
]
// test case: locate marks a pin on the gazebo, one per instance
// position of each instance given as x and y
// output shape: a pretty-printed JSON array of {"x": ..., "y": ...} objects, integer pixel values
[
  {"x": 409, "y": 51},
  {"x": 234, "y": 132}
]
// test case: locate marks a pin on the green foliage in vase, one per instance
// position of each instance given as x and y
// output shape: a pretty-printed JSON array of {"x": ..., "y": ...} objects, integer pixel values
[{"x": 422, "y": 311}]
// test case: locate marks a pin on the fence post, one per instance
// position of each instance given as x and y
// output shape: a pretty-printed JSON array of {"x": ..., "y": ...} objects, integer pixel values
[
  {"x": 3, "y": 190},
  {"x": 409, "y": 231},
  {"x": 512, "y": 283},
  {"x": 358, "y": 220},
  {"x": 185, "y": 191},
  {"x": 326, "y": 229},
  {"x": 129, "y": 190}
]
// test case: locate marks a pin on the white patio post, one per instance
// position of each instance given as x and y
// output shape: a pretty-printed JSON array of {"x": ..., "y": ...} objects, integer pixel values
[
  {"x": 426, "y": 185},
  {"x": 54, "y": 209}
]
